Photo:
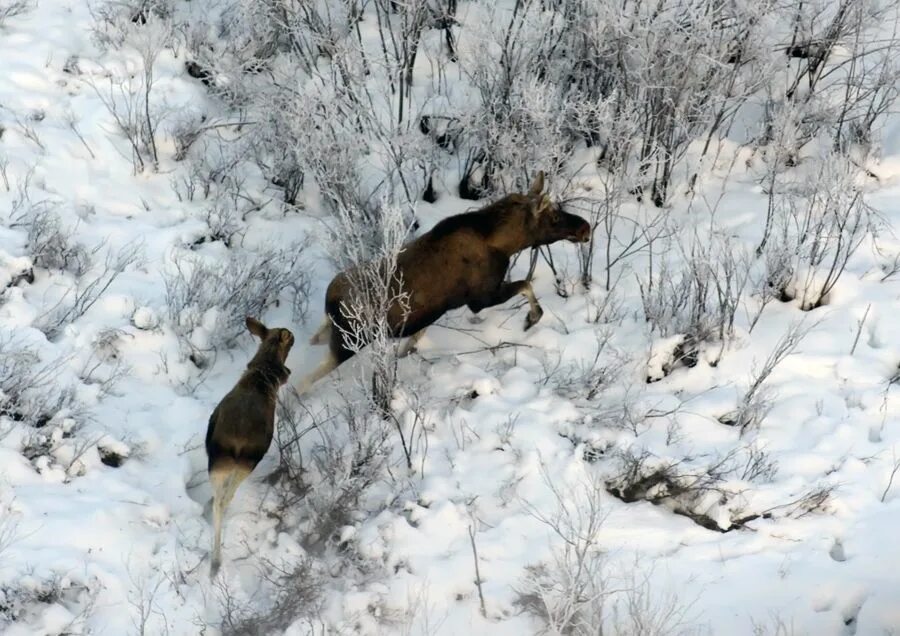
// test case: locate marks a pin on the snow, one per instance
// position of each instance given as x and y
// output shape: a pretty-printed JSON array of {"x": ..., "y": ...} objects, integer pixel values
[{"x": 126, "y": 543}]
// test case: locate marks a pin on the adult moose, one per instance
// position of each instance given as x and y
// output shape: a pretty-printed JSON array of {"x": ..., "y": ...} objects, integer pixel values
[
  {"x": 462, "y": 261},
  {"x": 241, "y": 426}
]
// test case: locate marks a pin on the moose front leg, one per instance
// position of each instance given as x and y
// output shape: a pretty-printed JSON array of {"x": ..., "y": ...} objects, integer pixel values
[{"x": 506, "y": 291}]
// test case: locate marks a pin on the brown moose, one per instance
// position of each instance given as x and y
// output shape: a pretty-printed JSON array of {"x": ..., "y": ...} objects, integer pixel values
[
  {"x": 241, "y": 426},
  {"x": 462, "y": 261}
]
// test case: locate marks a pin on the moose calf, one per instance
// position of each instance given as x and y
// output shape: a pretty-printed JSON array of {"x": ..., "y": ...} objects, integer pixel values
[
  {"x": 462, "y": 261},
  {"x": 241, "y": 426}
]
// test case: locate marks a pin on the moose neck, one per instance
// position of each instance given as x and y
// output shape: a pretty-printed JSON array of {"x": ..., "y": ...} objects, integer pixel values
[
  {"x": 266, "y": 372},
  {"x": 514, "y": 233}
]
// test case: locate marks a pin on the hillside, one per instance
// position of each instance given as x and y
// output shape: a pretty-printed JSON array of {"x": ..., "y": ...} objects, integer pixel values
[{"x": 700, "y": 436}]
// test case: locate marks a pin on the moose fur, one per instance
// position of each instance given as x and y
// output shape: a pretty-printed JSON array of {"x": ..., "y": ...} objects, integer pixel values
[
  {"x": 241, "y": 426},
  {"x": 462, "y": 261}
]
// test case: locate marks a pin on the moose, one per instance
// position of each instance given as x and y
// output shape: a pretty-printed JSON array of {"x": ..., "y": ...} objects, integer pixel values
[
  {"x": 241, "y": 426},
  {"x": 463, "y": 260}
]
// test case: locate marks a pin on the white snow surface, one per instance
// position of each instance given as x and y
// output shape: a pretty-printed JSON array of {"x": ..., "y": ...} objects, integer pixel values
[{"x": 115, "y": 539}]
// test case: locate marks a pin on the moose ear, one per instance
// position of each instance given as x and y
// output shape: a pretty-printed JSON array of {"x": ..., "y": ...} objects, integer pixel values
[
  {"x": 257, "y": 328},
  {"x": 538, "y": 185},
  {"x": 541, "y": 206},
  {"x": 287, "y": 338}
]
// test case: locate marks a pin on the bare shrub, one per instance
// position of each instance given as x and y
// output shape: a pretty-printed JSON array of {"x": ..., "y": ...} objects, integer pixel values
[
  {"x": 116, "y": 22},
  {"x": 214, "y": 172},
  {"x": 223, "y": 218},
  {"x": 755, "y": 404},
  {"x": 687, "y": 490},
  {"x": 31, "y": 391},
  {"x": 51, "y": 243},
  {"x": 325, "y": 120},
  {"x": 701, "y": 303},
  {"x": 510, "y": 136},
  {"x": 351, "y": 455},
  {"x": 709, "y": 494},
  {"x": 59, "y": 447},
  {"x": 288, "y": 593},
  {"x": 621, "y": 236},
  {"x": 24, "y": 602},
  {"x": 208, "y": 301},
  {"x": 9, "y": 524},
  {"x": 295, "y": 423},
  {"x": 820, "y": 223},
  {"x": 680, "y": 72},
  {"x": 12, "y": 8},
  {"x": 587, "y": 378},
  {"x": 368, "y": 253},
  {"x": 105, "y": 365},
  {"x": 774, "y": 626},
  {"x": 148, "y": 28},
  {"x": 124, "y": 98},
  {"x": 280, "y": 149},
  {"x": 142, "y": 596},
  {"x": 87, "y": 290},
  {"x": 866, "y": 81},
  {"x": 578, "y": 592}
]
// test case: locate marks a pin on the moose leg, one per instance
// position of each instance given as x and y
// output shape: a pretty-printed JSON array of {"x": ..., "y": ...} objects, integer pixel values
[
  {"x": 504, "y": 292},
  {"x": 535, "y": 312},
  {"x": 225, "y": 479},
  {"x": 323, "y": 333},
  {"x": 338, "y": 354},
  {"x": 409, "y": 345},
  {"x": 325, "y": 367}
]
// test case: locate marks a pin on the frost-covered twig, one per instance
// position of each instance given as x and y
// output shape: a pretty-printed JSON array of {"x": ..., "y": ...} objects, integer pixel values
[
  {"x": 478, "y": 579},
  {"x": 72, "y": 123},
  {"x": 860, "y": 324},
  {"x": 894, "y": 471}
]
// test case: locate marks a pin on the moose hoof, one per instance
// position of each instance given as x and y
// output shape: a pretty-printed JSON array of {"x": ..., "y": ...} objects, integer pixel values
[{"x": 533, "y": 317}]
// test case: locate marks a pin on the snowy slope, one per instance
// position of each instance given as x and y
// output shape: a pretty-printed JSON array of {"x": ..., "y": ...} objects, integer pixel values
[{"x": 513, "y": 443}]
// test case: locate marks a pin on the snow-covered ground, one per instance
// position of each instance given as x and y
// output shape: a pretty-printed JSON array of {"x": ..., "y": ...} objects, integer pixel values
[{"x": 103, "y": 471}]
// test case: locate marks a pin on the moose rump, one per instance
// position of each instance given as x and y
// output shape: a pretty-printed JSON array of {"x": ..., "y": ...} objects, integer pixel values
[{"x": 461, "y": 262}]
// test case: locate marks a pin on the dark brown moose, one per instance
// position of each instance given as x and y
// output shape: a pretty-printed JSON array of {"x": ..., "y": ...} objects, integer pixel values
[
  {"x": 462, "y": 261},
  {"x": 241, "y": 426}
]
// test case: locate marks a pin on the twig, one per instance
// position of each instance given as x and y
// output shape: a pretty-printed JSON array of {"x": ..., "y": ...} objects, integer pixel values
[
  {"x": 859, "y": 331},
  {"x": 478, "y": 580},
  {"x": 891, "y": 480}
]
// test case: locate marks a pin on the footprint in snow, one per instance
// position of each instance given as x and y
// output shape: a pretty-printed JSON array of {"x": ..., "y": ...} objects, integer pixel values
[{"x": 837, "y": 551}]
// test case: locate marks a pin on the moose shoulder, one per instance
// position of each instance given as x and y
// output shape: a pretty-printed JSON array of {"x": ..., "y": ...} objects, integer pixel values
[{"x": 462, "y": 261}]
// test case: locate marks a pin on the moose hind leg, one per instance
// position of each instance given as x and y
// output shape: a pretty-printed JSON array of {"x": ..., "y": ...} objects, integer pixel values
[
  {"x": 338, "y": 354},
  {"x": 325, "y": 367},
  {"x": 409, "y": 345},
  {"x": 225, "y": 479}
]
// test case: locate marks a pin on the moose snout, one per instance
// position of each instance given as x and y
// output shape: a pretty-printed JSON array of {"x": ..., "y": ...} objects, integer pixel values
[{"x": 582, "y": 234}]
